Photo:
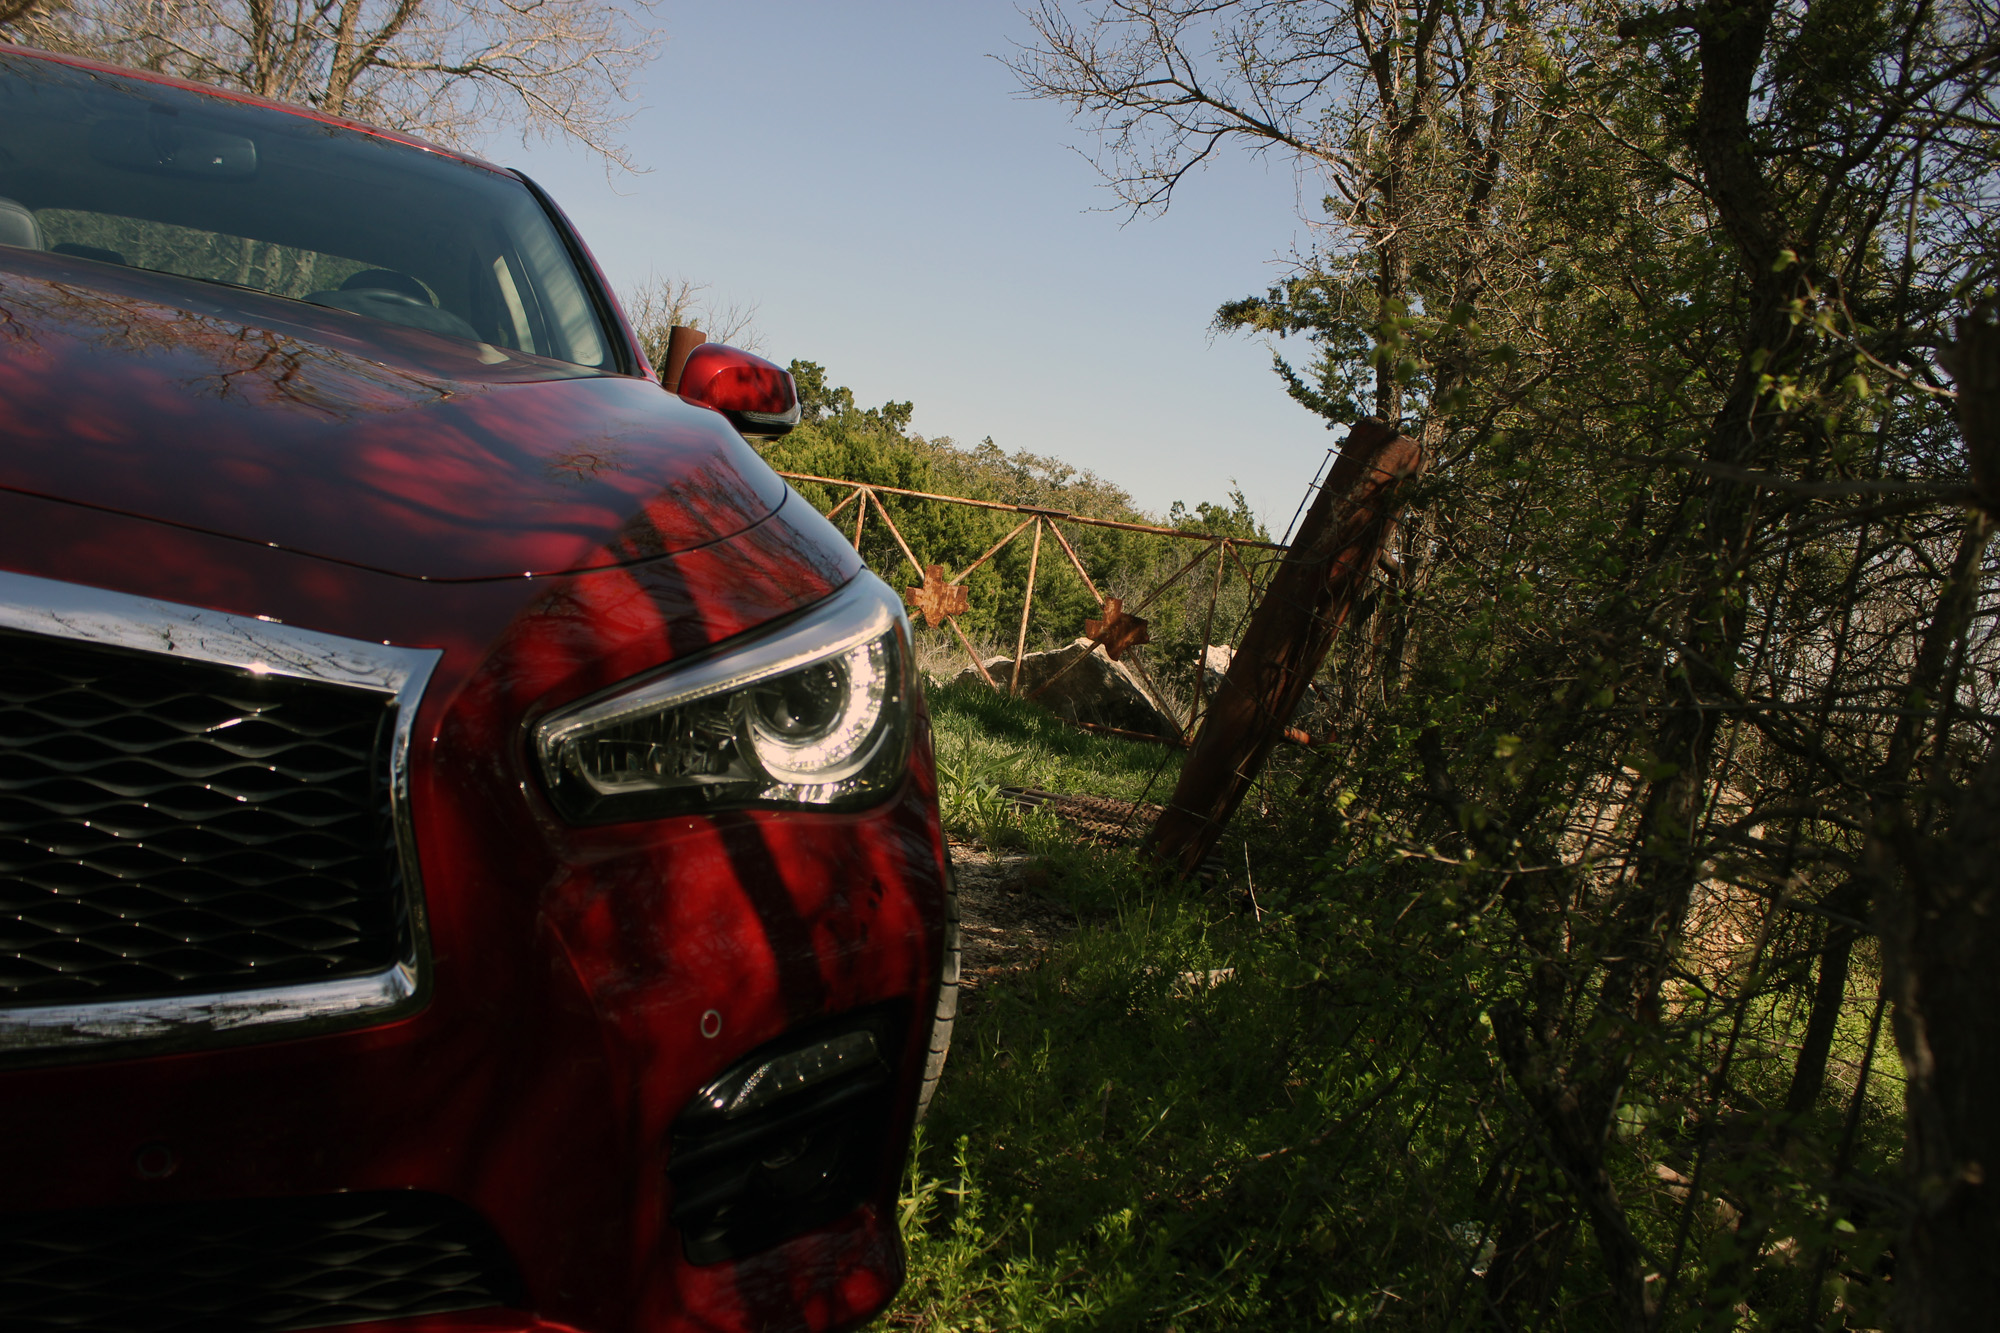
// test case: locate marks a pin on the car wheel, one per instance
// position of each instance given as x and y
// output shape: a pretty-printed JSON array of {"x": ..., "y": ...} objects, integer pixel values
[{"x": 947, "y": 1002}]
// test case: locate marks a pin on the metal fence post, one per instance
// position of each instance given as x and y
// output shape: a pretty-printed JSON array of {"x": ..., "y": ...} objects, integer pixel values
[{"x": 1027, "y": 604}]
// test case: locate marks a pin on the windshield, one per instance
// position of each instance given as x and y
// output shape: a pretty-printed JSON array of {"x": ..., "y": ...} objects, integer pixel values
[{"x": 120, "y": 171}]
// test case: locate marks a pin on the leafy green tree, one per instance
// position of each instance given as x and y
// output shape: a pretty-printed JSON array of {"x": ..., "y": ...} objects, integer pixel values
[{"x": 1690, "y": 626}]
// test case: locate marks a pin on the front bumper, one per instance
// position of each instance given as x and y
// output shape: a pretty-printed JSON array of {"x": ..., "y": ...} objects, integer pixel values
[{"x": 582, "y": 983}]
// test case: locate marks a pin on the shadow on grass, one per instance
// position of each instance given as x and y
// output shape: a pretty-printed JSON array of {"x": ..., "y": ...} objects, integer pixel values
[{"x": 1158, "y": 1127}]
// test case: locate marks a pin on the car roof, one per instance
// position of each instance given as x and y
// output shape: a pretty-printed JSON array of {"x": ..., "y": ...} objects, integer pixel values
[{"x": 247, "y": 99}]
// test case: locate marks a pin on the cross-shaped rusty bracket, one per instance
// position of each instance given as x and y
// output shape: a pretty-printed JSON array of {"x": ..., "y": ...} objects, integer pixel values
[
  {"x": 937, "y": 600},
  {"x": 941, "y": 600},
  {"x": 1117, "y": 631}
]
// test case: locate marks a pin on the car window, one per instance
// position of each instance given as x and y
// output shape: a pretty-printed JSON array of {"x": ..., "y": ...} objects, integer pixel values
[{"x": 119, "y": 171}]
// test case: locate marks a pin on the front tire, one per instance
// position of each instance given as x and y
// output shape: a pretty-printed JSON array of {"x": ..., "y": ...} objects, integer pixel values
[{"x": 946, "y": 1015}]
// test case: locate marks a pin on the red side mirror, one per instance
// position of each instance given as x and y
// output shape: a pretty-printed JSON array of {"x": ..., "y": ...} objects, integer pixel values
[{"x": 759, "y": 399}]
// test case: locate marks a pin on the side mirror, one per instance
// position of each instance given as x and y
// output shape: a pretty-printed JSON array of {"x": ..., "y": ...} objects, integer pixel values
[{"x": 759, "y": 399}]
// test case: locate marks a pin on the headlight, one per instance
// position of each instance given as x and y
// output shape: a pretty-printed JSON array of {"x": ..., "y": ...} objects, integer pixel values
[{"x": 815, "y": 713}]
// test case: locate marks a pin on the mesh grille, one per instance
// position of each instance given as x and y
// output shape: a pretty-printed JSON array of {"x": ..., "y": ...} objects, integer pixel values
[
  {"x": 169, "y": 826},
  {"x": 249, "y": 1264}
]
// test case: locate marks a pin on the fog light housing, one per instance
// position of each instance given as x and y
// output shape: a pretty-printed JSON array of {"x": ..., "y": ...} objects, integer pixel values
[{"x": 785, "y": 1141}]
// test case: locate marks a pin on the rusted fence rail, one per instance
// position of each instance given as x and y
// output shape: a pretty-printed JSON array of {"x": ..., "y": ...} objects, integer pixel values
[{"x": 940, "y": 598}]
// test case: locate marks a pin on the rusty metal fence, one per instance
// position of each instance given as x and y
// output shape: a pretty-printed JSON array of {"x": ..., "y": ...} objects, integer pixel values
[{"x": 939, "y": 598}]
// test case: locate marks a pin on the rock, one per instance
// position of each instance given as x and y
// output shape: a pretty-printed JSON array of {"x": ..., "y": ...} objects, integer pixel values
[
  {"x": 1096, "y": 689},
  {"x": 1215, "y": 660},
  {"x": 996, "y": 667}
]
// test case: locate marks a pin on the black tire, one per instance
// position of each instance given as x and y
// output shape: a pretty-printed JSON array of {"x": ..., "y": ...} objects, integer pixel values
[{"x": 947, "y": 1002}]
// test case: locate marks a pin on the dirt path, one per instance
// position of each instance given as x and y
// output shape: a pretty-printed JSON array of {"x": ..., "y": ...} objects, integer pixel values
[{"x": 1004, "y": 925}]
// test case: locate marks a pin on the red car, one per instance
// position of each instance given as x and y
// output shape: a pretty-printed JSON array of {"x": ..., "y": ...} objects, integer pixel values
[{"x": 469, "y": 854}]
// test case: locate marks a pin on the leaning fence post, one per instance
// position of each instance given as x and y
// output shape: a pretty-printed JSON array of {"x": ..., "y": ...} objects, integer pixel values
[
  {"x": 1289, "y": 633},
  {"x": 1027, "y": 604}
]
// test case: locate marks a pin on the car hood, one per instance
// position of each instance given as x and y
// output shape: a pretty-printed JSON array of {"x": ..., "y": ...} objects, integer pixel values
[{"x": 338, "y": 436}]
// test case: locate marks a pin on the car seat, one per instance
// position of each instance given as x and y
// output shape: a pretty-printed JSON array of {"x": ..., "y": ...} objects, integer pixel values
[
  {"x": 18, "y": 226},
  {"x": 387, "y": 280}
]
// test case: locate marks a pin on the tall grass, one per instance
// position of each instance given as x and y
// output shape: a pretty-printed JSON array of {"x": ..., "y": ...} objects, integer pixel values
[{"x": 1193, "y": 1115}]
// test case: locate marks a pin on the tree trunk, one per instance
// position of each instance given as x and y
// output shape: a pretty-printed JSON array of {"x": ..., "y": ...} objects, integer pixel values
[
  {"x": 1289, "y": 633},
  {"x": 1942, "y": 950},
  {"x": 1830, "y": 992},
  {"x": 1948, "y": 1021}
]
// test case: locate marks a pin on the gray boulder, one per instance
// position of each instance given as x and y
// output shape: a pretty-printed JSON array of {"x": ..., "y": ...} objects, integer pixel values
[{"x": 1095, "y": 689}]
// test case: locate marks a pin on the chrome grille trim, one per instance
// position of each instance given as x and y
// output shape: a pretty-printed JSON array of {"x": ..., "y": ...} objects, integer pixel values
[
  {"x": 53, "y": 609},
  {"x": 54, "y": 1026}
]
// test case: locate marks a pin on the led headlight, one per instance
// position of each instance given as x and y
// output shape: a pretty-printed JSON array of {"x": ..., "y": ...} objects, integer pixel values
[{"x": 815, "y": 714}]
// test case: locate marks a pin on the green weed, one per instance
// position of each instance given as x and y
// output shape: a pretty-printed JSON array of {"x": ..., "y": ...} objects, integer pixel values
[
  {"x": 985, "y": 741},
  {"x": 1195, "y": 1116}
]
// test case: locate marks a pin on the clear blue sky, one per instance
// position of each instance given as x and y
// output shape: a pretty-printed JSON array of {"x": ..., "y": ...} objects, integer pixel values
[{"x": 867, "y": 174}]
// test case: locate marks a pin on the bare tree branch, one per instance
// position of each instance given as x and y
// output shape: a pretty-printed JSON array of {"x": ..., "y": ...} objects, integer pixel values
[
  {"x": 451, "y": 70},
  {"x": 656, "y": 305}
]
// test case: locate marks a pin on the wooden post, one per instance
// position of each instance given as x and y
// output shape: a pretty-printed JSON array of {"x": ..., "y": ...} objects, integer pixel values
[
  {"x": 681, "y": 340},
  {"x": 1027, "y": 604},
  {"x": 1304, "y": 604},
  {"x": 860, "y": 516}
]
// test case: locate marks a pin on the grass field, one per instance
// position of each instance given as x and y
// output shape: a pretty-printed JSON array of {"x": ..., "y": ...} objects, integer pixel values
[{"x": 986, "y": 741}]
